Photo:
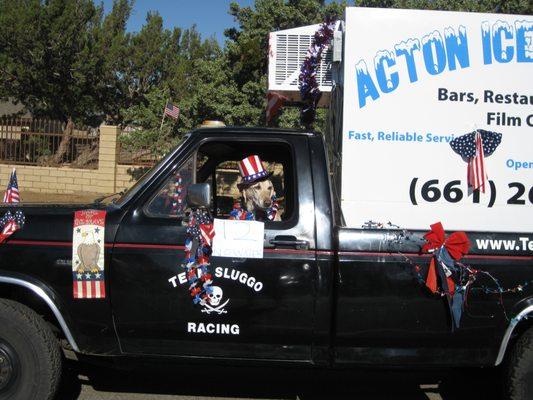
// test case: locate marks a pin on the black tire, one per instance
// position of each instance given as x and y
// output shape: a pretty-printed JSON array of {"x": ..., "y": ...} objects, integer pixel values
[
  {"x": 30, "y": 352},
  {"x": 520, "y": 369}
]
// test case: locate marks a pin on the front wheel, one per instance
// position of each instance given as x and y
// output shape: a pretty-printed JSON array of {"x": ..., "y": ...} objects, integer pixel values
[
  {"x": 30, "y": 358},
  {"x": 520, "y": 369}
]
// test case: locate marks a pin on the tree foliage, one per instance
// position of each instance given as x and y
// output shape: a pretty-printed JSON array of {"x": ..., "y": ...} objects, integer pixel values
[{"x": 65, "y": 59}]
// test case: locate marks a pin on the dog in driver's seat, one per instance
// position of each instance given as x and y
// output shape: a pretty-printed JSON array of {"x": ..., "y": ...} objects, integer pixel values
[{"x": 257, "y": 191}]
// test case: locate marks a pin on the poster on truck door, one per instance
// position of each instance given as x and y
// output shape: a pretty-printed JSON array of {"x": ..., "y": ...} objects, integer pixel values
[{"x": 438, "y": 120}]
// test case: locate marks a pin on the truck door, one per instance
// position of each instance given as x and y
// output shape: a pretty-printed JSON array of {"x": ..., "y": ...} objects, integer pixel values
[{"x": 264, "y": 307}]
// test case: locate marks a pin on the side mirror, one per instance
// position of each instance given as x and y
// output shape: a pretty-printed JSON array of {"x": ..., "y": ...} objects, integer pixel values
[{"x": 199, "y": 195}]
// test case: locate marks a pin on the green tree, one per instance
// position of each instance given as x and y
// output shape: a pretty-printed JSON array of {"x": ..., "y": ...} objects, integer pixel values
[
  {"x": 247, "y": 47},
  {"x": 488, "y": 6},
  {"x": 164, "y": 65},
  {"x": 62, "y": 58},
  {"x": 247, "y": 44}
]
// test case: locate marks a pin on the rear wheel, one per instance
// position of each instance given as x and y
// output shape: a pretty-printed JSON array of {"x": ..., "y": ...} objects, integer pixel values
[
  {"x": 520, "y": 369},
  {"x": 30, "y": 358}
]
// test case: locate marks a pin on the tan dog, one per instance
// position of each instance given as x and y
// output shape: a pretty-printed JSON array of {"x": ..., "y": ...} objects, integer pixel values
[
  {"x": 258, "y": 198},
  {"x": 256, "y": 189}
]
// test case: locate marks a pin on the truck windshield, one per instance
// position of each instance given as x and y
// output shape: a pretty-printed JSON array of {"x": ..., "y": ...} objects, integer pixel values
[{"x": 147, "y": 176}]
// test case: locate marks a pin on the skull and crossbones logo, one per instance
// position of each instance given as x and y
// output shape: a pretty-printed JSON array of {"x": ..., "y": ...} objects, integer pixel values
[{"x": 212, "y": 305}]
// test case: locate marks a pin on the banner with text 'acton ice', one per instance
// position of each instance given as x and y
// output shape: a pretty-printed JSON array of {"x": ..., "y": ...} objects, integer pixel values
[{"x": 438, "y": 119}]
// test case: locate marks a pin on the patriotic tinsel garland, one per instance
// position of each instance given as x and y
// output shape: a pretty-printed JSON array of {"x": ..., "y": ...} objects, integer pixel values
[
  {"x": 309, "y": 86},
  {"x": 198, "y": 241}
]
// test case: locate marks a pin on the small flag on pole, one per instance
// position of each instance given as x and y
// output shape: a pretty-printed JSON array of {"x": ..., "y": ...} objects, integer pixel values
[
  {"x": 172, "y": 111},
  {"x": 12, "y": 192},
  {"x": 274, "y": 102}
]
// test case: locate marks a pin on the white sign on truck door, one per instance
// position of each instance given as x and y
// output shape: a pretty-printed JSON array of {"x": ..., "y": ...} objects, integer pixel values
[{"x": 415, "y": 80}]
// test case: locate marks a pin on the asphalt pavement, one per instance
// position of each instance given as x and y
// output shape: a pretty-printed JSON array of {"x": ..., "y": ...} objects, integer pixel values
[{"x": 159, "y": 382}]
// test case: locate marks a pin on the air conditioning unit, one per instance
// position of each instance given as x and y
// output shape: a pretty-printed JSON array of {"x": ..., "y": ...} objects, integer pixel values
[{"x": 287, "y": 51}]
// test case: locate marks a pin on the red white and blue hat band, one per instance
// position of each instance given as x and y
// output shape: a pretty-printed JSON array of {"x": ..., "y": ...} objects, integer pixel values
[{"x": 252, "y": 169}]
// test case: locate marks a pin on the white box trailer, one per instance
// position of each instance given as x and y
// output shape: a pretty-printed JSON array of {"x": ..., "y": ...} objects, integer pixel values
[{"x": 411, "y": 81}]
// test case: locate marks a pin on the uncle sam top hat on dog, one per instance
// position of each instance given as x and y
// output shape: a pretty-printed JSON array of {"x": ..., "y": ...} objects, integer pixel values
[{"x": 252, "y": 169}]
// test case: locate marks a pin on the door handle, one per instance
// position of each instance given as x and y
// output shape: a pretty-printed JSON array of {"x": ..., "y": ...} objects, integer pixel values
[{"x": 289, "y": 241}]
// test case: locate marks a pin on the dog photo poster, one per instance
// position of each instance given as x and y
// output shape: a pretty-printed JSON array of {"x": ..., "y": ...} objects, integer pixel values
[{"x": 238, "y": 239}]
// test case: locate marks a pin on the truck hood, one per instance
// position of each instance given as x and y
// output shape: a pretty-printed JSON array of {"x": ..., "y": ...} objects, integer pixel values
[{"x": 48, "y": 222}]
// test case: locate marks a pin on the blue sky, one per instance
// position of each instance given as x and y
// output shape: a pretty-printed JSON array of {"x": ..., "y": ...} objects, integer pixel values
[{"x": 210, "y": 16}]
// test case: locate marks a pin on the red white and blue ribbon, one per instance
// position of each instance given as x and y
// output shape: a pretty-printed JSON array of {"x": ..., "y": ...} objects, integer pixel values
[{"x": 443, "y": 268}]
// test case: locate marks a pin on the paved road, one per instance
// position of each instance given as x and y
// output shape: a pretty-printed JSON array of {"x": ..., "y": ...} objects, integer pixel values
[{"x": 223, "y": 383}]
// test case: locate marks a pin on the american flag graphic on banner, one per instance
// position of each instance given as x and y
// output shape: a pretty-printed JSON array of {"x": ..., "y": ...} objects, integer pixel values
[
  {"x": 88, "y": 254},
  {"x": 12, "y": 192}
]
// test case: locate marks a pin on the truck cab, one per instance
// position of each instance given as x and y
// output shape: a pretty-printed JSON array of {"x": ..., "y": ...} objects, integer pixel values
[{"x": 272, "y": 308}]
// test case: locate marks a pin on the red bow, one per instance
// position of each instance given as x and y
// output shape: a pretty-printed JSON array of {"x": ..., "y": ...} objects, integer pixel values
[{"x": 457, "y": 245}]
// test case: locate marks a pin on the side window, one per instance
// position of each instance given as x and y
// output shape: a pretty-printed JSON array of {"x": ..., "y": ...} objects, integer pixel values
[
  {"x": 170, "y": 198},
  {"x": 257, "y": 175}
]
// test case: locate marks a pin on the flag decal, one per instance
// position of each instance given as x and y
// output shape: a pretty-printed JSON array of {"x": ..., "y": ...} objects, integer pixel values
[{"x": 88, "y": 254}]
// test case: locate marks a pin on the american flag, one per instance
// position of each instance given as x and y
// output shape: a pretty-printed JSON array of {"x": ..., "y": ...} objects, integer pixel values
[
  {"x": 89, "y": 285},
  {"x": 208, "y": 233},
  {"x": 12, "y": 192},
  {"x": 274, "y": 102},
  {"x": 474, "y": 147},
  {"x": 476, "y": 167},
  {"x": 172, "y": 111}
]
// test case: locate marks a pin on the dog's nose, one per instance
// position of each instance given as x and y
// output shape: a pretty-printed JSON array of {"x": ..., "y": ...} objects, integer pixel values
[{"x": 268, "y": 203}]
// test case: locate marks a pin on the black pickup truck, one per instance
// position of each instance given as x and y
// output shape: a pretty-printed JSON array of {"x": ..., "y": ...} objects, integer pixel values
[{"x": 322, "y": 295}]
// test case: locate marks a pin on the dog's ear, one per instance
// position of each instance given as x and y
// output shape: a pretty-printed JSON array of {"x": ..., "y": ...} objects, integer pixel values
[{"x": 243, "y": 191}]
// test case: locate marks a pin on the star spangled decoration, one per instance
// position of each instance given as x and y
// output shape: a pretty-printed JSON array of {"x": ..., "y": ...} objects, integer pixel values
[
  {"x": 19, "y": 218},
  {"x": 465, "y": 145},
  {"x": 10, "y": 223},
  {"x": 474, "y": 147}
]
